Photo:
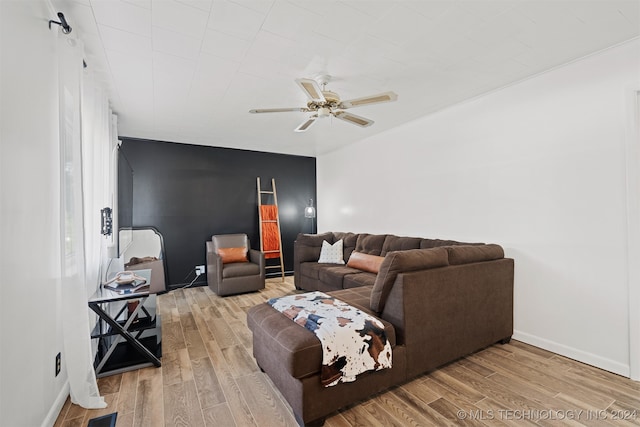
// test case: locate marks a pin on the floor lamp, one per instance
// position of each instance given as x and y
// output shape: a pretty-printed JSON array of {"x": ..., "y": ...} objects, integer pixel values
[{"x": 310, "y": 212}]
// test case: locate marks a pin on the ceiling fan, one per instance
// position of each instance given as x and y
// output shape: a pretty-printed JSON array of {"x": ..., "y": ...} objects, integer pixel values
[{"x": 324, "y": 103}]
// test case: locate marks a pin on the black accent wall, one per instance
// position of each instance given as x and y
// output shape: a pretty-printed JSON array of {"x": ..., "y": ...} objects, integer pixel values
[{"x": 190, "y": 192}]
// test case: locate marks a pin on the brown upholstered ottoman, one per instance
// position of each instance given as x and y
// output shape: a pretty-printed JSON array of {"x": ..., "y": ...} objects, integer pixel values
[
  {"x": 297, "y": 350},
  {"x": 287, "y": 351}
]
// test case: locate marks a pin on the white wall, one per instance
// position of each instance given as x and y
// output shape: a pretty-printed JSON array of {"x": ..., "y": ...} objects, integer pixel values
[
  {"x": 538, "y": 167},
  {"x": 30, "y": 321}
]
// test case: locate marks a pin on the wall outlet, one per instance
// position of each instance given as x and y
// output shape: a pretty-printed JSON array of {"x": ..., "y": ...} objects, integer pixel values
[
  {"x": 58, "y": 363},
  {"x": 112, "y": 251},
  {"x": 199, "y": 270}
]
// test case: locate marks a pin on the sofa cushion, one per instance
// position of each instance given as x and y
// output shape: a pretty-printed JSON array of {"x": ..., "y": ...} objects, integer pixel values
[
  {"x": 239, "y": 269},
  {"x": 370, "y": 243},
  {"x": 359, "y": 298},
  {"x": 403, "y": 261},
  {"x": 395, "y": 243},
  {"x": 331, "y": 253},
  {"x": 332, "y": 275},
  {"x": 436, "y": 243},
  {"x": 314, "y": 239},
  {"x": 307, "y": 246},
  {"x": 358, "y": 280},
  {"x": 365, "y": 262},
  {"x": 466, "y": 254},
  {"x": 349, "y": 242},
  {"x": 311, "y": 269}
]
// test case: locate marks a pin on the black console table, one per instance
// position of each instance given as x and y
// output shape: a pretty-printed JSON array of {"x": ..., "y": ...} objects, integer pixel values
[{"x": 128, "y": 331}]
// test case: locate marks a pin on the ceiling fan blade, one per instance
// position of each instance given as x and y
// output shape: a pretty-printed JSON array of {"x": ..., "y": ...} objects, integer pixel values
[
  {"x": 311, "y": 89},
  {"x": 352, "y": 118},
  {"x": 368, "y": 100},
  {"x": 307, "y": 124},
  {"x": 279, "y": 110}
]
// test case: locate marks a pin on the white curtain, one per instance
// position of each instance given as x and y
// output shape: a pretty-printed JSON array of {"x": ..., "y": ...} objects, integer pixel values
[
  {"x": 96, "y": 154},
  {"x": 75, "y": 312}
]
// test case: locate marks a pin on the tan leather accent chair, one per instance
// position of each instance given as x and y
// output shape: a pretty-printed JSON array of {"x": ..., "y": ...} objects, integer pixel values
[{"x": 227, "y": 276}]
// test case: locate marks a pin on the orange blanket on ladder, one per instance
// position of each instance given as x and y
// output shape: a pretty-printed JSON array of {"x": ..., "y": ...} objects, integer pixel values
[{"x": 270, "y": 232}]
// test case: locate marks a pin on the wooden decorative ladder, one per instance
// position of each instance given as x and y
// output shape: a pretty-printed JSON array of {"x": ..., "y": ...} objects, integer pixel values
[{"x": 269, "y": 220}]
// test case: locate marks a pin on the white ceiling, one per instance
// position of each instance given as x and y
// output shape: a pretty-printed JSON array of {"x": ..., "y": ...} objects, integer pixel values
[{"x": 190, "y": 70}]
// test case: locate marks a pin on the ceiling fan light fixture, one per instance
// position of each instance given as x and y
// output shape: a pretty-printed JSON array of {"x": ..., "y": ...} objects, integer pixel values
[
  {"x": 324, "y": 111},
  {"x": 331, "y": 97}
]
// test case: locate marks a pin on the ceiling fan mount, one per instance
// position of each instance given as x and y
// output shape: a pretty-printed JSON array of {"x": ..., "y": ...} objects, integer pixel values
[{"x": 324, "y": 103}]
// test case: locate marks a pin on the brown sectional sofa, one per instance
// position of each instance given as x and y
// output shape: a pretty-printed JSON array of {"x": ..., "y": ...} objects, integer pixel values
[
  {"x": 311, "y": 276},
  {"x": 439, "y": 301}
]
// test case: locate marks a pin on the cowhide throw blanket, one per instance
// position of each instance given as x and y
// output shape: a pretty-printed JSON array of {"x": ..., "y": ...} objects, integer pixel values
[{"x": 353, "y": 342}]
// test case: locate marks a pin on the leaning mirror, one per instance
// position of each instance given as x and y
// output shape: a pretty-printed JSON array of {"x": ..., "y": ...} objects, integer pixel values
[{"x": 146, "y": 251}]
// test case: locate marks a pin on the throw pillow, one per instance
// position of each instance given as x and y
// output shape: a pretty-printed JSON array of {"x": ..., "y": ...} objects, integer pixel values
[
  {"x": 365, "y": 262},
  {"x": 331, "y": 254},
  {"x": 230, "y": 255}
]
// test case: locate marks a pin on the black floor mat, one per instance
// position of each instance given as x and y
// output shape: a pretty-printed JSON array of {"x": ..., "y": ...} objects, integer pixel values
[{"x": 104, "y": 421}]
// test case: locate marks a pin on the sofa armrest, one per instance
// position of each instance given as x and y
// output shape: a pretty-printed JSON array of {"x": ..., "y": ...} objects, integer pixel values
[
  {"x": 214, "y": 267},
  {"x": 452, "y": 311}
]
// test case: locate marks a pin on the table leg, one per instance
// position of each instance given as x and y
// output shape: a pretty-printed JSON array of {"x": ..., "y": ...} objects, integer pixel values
[{"x": 125, "y": 334}]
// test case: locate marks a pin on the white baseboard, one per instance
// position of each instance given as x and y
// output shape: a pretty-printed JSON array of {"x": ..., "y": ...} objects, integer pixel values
[
  {"x": 573, "y": 353},
  {"x": 54, "y": 412}
]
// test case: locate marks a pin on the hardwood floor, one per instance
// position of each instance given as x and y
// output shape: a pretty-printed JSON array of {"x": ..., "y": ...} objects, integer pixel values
[{"x": 209, "y": 378}]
